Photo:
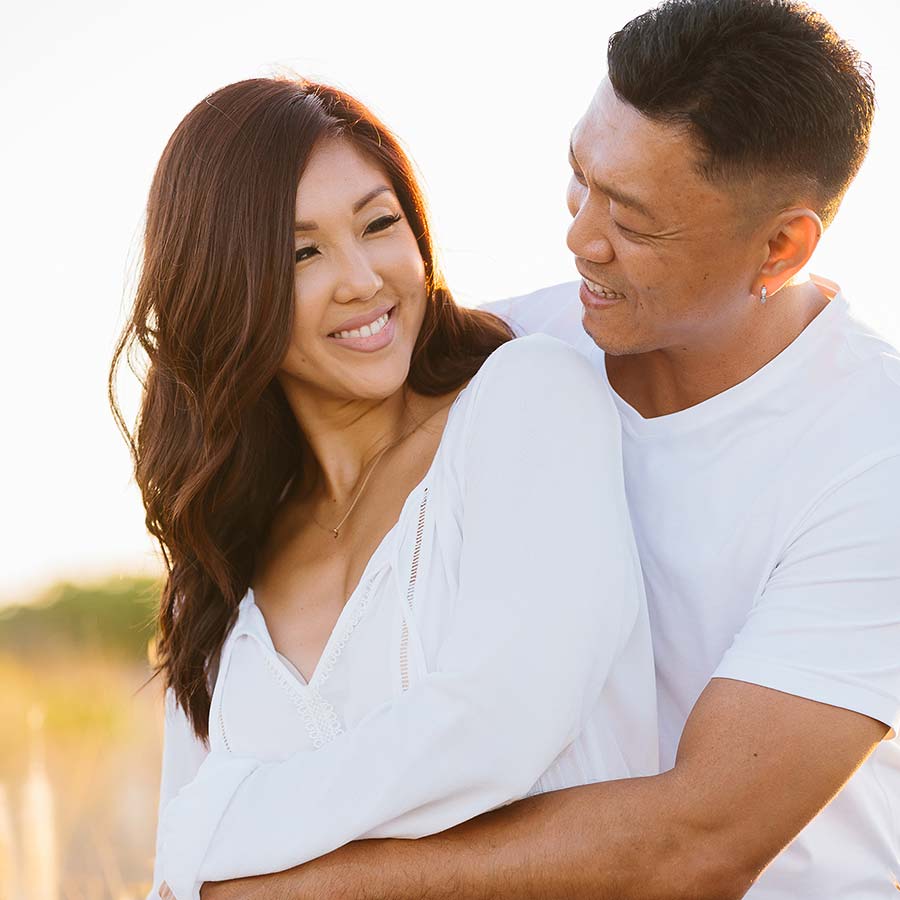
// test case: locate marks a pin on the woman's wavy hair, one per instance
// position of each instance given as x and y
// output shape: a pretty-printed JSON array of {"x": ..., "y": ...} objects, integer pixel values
[{"x": 215, "y": 442}]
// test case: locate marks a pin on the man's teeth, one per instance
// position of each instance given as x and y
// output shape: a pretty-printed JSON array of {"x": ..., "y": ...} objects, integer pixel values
[
  {"x": 603, "y": 291},
  {"x": 366, "y": 330}
]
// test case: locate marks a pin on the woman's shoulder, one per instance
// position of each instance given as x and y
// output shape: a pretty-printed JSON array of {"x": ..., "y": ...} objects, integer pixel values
[
  {"x": 531, "y": 392},
  {"x": 535, "y": 371},
  {"x": 535, "y": 348}
]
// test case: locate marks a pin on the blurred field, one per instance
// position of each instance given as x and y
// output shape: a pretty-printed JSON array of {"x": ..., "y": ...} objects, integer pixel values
[{"x": 79, "y": 744}]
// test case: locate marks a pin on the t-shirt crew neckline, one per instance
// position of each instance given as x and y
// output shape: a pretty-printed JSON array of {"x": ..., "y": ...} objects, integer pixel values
[{"x": 745, "y": 392}]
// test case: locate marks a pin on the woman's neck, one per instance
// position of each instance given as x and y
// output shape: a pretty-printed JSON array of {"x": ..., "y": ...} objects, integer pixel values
[{"x": 345, "y": 436}]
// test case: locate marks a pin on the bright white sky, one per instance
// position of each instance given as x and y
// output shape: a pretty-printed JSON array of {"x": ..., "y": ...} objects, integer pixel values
[{"x": 484, "y": 95}]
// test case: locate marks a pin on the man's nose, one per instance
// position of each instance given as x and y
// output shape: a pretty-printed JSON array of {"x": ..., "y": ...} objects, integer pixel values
[
  {"x": 587, "y": 238},
  {"x": 357, "y": 279}
]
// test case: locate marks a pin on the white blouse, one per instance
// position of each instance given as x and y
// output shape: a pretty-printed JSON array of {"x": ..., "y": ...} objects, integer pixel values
[{"x": 497, "y": 645}]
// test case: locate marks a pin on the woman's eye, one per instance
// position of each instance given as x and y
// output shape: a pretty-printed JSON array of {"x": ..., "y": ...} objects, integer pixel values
[
  {"x": 304, "y": 253},
  {"x": 382, "y": 223}
]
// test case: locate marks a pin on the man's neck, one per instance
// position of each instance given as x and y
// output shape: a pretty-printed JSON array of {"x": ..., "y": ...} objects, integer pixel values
[{"x": 669, "y": 380}]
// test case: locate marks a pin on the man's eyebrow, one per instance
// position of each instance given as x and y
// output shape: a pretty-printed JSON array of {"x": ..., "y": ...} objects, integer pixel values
[
  {"x": 312, "y": 226},
  {"x": 620, "y": 197}
]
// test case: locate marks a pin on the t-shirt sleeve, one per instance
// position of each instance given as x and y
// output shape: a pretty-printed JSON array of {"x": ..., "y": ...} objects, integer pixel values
[
  {"x": 827, "y": 625},
  {"x": 549, "y": 593},
  {"x": 554, "y": 310},
  {"x": 505, "y": 309}
]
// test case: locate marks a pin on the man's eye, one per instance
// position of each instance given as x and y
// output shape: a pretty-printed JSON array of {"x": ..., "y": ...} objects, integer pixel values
[
  {"x": 382, "y": 223},
  {"x": 304, "y": 253},
  {"x": 626, "y": 231}
]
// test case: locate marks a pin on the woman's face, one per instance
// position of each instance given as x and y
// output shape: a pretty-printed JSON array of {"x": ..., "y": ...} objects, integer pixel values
[{"x": 359, "y": 279}]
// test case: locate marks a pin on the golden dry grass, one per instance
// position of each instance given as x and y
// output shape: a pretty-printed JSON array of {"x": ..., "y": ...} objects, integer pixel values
[{"x": 79, "y": 774}]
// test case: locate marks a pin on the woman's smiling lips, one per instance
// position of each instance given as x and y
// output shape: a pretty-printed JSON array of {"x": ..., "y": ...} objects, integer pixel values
[{"x": 368, "y": 332}]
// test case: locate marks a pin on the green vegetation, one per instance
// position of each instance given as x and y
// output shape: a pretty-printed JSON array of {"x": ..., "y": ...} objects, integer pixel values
[{"x": 112, "y": 618}]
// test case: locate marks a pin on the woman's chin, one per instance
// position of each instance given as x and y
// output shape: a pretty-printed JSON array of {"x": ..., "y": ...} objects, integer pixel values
[
  {"x": 376, "y": 385},
  {"x": 344, "y": 375}
]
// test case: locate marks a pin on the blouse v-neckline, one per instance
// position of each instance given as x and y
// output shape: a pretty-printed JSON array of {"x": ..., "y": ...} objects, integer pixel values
[
  {"x": 345, "y": 622},
  {"x": 356, "y": 603},
  {"x": 297, "y": 673}
]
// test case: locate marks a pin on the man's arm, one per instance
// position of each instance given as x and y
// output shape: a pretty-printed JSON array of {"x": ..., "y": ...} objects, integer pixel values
[{"x": 754, "y": 767}]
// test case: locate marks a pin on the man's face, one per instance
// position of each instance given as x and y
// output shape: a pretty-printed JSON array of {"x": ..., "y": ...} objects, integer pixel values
[{"x": 665, "y": 257}]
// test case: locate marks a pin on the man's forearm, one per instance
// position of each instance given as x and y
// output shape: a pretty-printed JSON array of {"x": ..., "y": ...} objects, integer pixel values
[
  {"x": 610, "y": 840},
  {"x": 754, "y": 766}
]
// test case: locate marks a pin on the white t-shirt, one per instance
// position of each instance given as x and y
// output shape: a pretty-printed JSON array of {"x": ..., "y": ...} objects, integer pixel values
[
  {"x": 768, "y": 525},
  {"x": 497, "y": 645}
]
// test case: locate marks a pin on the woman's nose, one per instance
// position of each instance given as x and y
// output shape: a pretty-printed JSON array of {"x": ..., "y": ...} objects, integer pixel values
[{"x": 357, "y": 278}]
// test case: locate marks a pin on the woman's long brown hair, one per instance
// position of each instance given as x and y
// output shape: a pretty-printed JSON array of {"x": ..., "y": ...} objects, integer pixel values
[{"x": 215, "y": 442}]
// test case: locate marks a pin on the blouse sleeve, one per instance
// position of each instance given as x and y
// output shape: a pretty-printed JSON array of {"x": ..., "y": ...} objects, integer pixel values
[
  {"x": 183, "y": 753},
  {"x": 549, "y": 591}
]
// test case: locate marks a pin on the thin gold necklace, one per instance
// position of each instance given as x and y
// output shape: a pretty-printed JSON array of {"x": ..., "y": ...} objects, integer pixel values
[{"x": 336, "y": 531}]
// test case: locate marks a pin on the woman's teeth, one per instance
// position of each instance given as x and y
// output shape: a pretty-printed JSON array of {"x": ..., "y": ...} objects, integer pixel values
[
  {"x": 366, "y": 330},
  {"x": 603, "y": 291}
]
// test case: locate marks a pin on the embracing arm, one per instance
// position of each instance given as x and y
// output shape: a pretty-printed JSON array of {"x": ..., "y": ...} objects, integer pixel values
[
  {"x": 754, "y": 766},
  {"x": 762, "y": 752}
]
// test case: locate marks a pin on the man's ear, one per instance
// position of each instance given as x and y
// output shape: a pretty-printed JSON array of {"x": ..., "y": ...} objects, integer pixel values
[{"x": 792, "y": 239}]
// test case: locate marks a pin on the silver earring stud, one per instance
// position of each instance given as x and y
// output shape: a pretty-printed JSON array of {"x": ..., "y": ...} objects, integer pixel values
[{"x": 763, "y": 294}]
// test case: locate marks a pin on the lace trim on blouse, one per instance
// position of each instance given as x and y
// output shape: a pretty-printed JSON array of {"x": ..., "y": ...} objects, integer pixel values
[
  {"x": 320, "y": 718},
  {"x": 410, "y": 594}
]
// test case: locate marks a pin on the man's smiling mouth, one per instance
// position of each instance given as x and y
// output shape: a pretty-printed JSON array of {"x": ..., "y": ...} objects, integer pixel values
[{"x": 601, "y": 290}]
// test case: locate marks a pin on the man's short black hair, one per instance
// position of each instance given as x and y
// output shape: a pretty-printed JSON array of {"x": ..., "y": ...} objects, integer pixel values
[{"x": 767, "y": 88}]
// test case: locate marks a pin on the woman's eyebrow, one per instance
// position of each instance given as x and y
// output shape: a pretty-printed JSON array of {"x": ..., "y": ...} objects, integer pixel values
[{"x": 368, "y": 198}]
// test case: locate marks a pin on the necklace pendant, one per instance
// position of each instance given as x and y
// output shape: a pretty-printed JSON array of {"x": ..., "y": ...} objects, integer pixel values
[{"x": 334, "y": 531}]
